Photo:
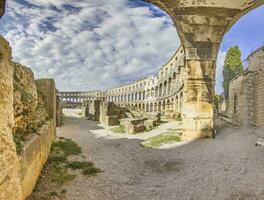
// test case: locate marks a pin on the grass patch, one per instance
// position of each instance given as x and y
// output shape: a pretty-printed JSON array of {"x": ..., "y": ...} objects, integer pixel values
[
  {"x": 79, "y": 165},
  {"x": 67, "y": 147},
  {"x": 60, "y": 175},
  {"x": 91, "y": 171},
  {"x": 118, "y": 130},
  {"x": 169, "y": 137},
  {"x": 56, "y": 173}
]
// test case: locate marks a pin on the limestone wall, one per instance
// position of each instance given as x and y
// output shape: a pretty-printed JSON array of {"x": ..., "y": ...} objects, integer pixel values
[
  {"x": 34, "y": 155},
  {"x": 46, "y": 87},
  {"x": 246, "y": 93},
  {"x": 10, "y": 188},
  {"x": 238, "y": 105},
  {"x": 256, "y": 64},
  {"x": 25, "y": 108},
  {"x": 29, "y": 109}
]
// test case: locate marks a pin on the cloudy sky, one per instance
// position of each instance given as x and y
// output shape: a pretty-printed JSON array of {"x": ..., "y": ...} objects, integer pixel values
[{"x": 87, "y": 44}]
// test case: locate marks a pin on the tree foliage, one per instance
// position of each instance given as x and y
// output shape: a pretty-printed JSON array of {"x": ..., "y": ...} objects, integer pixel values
[{"x": 232, "y": 67}]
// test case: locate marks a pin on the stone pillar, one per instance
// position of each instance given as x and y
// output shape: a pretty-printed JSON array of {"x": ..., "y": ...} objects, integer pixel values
[
  {"x": 46, "y": 87},
  {"x": 201, "y": 26},
  {"x": 10, "y": 186}
]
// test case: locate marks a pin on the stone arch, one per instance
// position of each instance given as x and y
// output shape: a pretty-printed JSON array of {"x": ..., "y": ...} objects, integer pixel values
[
  {"x": 169, "y": 86},
  {"x": 159, "y": 106},
  {"x": 139, "y": 95},
  {"x": 155, "y": 107},
  {"x": 156, "y": 91},
  {"x": 165, "y": 88},
  {"x": 151, "y": 107},
  {"x": 147, "y": 107},
  {"x": 160, "y": 89},
  {"x": 201, "y": 45},
  {"x": 144, "y": 95}
]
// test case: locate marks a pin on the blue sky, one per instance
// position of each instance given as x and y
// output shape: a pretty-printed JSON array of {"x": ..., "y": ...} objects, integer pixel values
[{"x": 87, "y": 44}]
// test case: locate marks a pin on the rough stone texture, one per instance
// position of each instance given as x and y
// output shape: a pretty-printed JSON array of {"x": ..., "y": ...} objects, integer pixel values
[
  {"x": 46, "y": 88},
  {"x": 29, "y": 111},
  {"x": 59, "y": 113},
  {"x": 256, "y": 64},
  {"x": 133, "y": 125},
  {"x": 34, "y": 155},
  {"x": 86, "y": 111},
  {"x": 238, "y": 105},
  {"x": 94, "y": 110},
  {"x": 246, "y": 93},
  {"x": 10, "y": 188},
  {"x": 201, "y": 26},
  {"x": 109, "y": 114},
  {"x": 149, "y": 123},
  {"x": 154, "y": 116}
]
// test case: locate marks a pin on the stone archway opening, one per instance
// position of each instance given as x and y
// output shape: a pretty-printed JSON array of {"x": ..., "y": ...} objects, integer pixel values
[{"x": 201, "y": 26}]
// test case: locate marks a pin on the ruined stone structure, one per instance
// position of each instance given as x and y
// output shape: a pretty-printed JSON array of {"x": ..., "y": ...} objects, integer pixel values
[
  {"x": 163, "y": 93},
  {"x": 246, "y": 93},
  {"x": 201, "y": 26},
  {"x": 28, "y": 111},
  {"x": 76, "y": 99}
]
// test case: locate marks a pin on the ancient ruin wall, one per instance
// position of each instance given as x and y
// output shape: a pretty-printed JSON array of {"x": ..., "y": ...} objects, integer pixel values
[
  {"x": 28, "y": 111},
  {"x": 10, "y": 187},
  {"x": 256, "y": 64},
  {"x": 238, "y": 100}
]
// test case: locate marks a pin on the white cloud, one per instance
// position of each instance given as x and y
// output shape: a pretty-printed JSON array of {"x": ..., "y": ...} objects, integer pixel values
[{"x": 88, "y": 44}]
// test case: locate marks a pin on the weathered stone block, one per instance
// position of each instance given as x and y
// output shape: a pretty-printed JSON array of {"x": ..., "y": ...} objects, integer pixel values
[
  {"x": 133, "y": 125},
  {"x": 112, "y": 120},
  {"x": 149, "y": 123},
  {"x": 10, "y": 187},
  {"x": 47, "y": 89},
  {"x": 154, "y": 116},
  {"x": 34, "y": 155},
  {"x": 94, "y": 110}
]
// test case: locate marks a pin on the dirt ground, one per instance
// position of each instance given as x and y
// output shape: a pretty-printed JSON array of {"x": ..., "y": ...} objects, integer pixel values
[{"x": 228, "y": 167}]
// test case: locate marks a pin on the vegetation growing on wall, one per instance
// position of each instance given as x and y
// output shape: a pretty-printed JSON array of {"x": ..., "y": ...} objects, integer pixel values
[{"x": 232, "y": 67}]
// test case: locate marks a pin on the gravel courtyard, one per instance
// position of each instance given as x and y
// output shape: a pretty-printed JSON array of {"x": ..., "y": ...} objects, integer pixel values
[{"x": 229, "y": 167}]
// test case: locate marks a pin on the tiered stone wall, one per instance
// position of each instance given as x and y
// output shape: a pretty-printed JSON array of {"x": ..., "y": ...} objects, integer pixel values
[
  {"x": 163, "y": 93},
  {"x": 75, "y": 99}
]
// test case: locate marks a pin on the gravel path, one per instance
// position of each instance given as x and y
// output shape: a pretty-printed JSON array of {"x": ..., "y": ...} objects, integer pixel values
[{"x": 228, "y": 167}]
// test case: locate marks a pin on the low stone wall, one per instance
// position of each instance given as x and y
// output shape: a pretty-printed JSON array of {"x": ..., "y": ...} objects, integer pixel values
[
  {"x": 34, "y": 155},
  {"x": 132, "y": 125}
]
